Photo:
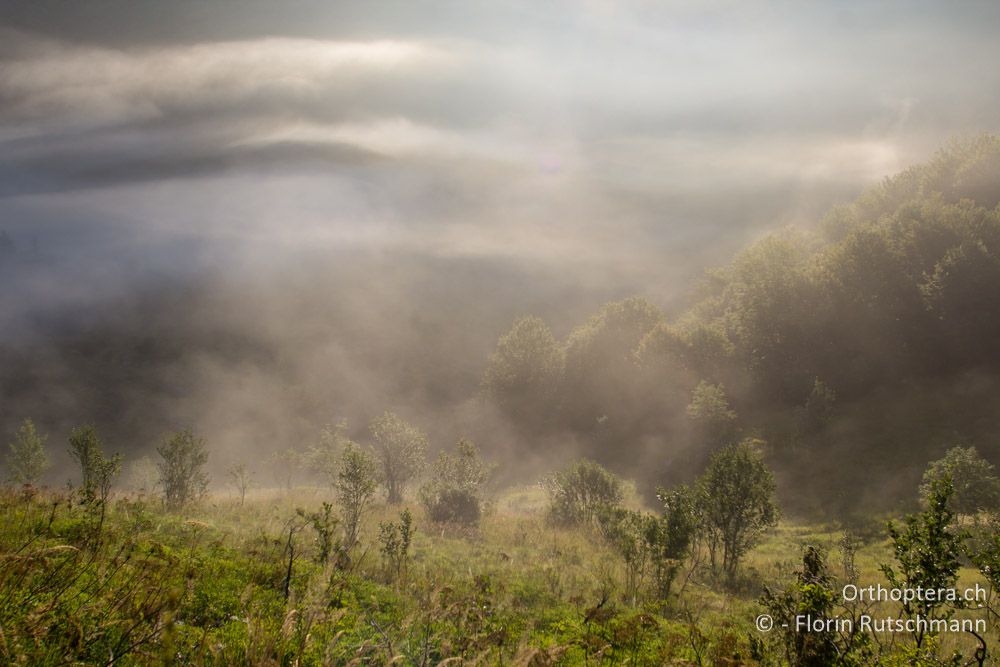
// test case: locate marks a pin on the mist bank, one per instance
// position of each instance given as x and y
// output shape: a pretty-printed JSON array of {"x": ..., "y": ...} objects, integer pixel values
[
  {"x": 259, "y": 357},
  {"x": 857, "y": 349}
]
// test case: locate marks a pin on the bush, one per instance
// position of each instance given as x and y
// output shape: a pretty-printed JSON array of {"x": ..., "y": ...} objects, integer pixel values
[
  {"x": 651, "y": 546},
  {"x": 26, "y": 458},
  {"x": 96, "y": 471},
  {"x": 450, "y": 505},
  {"x": 454, "y": 494},
  {"x": 394, "y": 540},
  {"x": 928, "y": 554},
  {"x": 400, "y": 448},
  {"x": 736, "y": 503},
  {"x": 356, "y": 484},
  {"x": 973, "y": 478},
  {"x": 577, "y": 494},
  {"x": 182, "y": 474}
]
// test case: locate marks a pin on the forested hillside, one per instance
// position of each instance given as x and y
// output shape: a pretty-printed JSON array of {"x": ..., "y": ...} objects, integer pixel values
[{"x": 858, "y": 350}]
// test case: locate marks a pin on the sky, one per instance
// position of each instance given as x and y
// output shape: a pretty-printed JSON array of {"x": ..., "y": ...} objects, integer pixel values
[
  {"x": 595, "y": 133},
  {"x": 438, "y": 168}
]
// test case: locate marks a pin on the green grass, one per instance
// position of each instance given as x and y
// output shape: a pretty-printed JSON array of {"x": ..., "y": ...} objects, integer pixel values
[{"x": 208, "y": 587}]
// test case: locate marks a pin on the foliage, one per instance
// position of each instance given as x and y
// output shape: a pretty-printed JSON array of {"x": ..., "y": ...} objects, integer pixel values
[
  {"x": 986, "y": 557},
  {"x": 242, "y": 585},
  {"x": 356, "y": 484},
  {"x": 927, "y": 550},
  {"x": 974, "y": 480},
  {"x": 818, "y": 410},
  {"x": 241, "y": 479},
  {"x": 736, "y": 503},
  {"x": 652, "y": 548},
  {"x": 73, "y": 603},
  {"x": 26, "y": 458},
  {"x": 710, "y": 412},
  {"x": 829, "y": 343},
  {"x": 324, "y": 523},
  {"x": 394, "y": 542},
  {"x": 524, "y": 372},
  {"x": 625, "y": 531},
  {"x": 812, "y": 597},
  {"x": 96, "y": 471},
  {"x": 671, "y": 536},
  {"x": 579, "y": 492},
  {"x": 454, "y": 493},
  {"x": 182, "y": 468},
  {"x": 599, "y": 389},
  {"x": 401, "y": 449}
]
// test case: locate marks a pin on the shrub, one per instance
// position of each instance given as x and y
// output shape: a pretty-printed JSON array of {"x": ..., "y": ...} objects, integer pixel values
[
  {"x": 451, "y": 505},
  {"x": 400, "y": 448},
  {"x": 394, "y": 540},
  {"x": 976, "y": 485},
  {"x": 736, "y": 503},
  {"x": 356, "y": 484},
  {"x": 651, "y": 546},
  {"x": 813, "y": 594},
  {"x": 241, "y": 478},
  {"x": 577, "y": 494},
  {"x": 669, "y": 537},
  {"x": 325, "y": 524},
  {"x": 454, "y": 494},
  {"x": 928, "y": 553},
  {"x": 96, "y": 471},
  {"x": 26, "y": 457},
  {"x": 182, "y": 464}
]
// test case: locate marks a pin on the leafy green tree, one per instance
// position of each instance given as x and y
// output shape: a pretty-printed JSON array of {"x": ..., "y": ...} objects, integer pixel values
[
  {"x": 356, "y": 485},
  {"x": 578, "y": 493},
  {"x": 97, "y": 472},
  {"x": 709, "y": 411},
  {"x": 401, "y": 450},
  {"x": 26, "y": 457},
  {"x": 928, "y": 550},
  {"x": 524, "y": 372},
  {"x": 736, "y": 502},
  {"x": 985, "y": 554},
  {"x": 182, "y": 468},
  {"x": 670, "y": 536},
  {"x": 454, "y": 493},
  {"x": 600, "y": 387},
  {"x": 973, "y": 478}
]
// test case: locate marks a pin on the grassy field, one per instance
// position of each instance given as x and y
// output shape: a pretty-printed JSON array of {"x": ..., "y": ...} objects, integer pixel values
[{"x": 225, "y": 584}]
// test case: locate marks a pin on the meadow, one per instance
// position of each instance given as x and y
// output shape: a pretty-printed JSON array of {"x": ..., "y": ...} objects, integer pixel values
[{"x": 229, "y": 582}]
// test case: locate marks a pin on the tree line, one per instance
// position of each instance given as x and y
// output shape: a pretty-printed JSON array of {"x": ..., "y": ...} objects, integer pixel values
[{"x": 858, "y": 348}]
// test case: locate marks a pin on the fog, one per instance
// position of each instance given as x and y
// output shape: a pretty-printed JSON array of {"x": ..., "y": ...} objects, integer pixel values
[{"x": 258, "y": 218}]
